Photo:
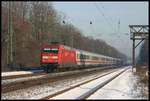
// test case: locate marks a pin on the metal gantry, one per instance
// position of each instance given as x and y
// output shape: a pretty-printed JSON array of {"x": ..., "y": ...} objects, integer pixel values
[{"x": 137, "y": 32}]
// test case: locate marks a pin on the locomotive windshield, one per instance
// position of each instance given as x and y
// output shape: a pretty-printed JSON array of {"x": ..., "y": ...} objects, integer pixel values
[{"x": 50, "y": 50}]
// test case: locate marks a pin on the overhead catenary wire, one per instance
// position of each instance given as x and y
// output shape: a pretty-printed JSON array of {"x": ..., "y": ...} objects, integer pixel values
[
  {"x": 110, "y": 23},
  {"x": 105, "y": 18},
  {"x": 109, "y": 18}
]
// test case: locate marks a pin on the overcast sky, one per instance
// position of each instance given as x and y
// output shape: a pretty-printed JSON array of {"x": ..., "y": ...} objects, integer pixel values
[{"x": 110, "y": 20}]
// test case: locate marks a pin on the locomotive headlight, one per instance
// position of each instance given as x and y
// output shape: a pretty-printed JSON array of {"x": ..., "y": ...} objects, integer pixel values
[{"x": 45, "y": 57}]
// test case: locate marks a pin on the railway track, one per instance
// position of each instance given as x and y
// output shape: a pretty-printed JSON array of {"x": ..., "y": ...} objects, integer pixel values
[
  {"x": 86, "y": 94},
  {"x": 49, "y": 78},
  {"x": 14, "y": 76}
]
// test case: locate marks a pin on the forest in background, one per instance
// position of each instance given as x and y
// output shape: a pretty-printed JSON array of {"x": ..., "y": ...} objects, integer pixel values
[{"x": 37, "y": 23}]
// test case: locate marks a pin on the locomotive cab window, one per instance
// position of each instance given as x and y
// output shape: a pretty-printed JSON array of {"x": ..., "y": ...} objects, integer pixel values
[{"x": 50, "y": 50}]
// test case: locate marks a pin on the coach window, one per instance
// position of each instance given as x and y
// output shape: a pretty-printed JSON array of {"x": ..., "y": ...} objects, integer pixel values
[
  {"x": 87, "y": 57},
  {"x": 102, "y": 59},
  {"x": 78, "y": 56}
]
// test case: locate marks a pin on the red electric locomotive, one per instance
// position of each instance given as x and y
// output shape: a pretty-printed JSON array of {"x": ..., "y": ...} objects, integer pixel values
[{"x": 57, "y": 56}]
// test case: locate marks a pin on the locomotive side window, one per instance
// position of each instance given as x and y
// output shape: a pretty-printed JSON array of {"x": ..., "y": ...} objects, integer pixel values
[{"x": 50, "y": 50}]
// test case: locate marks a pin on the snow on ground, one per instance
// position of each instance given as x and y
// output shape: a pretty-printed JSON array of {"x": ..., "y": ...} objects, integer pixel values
[
  {"x": 83, "y": 89},
  {"x": 38, "y": 92},
  {"x": 20, "y": 72},
  {"x": 121, "y": 87}
]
